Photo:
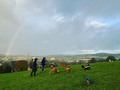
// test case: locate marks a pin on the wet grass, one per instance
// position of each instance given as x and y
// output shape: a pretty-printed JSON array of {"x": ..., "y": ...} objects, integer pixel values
[{"x": 105, "y": 75}]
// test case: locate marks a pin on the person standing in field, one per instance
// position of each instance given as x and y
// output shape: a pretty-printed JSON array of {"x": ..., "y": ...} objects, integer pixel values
[
  {"x": 34, "y": 67},
  {"x": 43, "y": 63}
]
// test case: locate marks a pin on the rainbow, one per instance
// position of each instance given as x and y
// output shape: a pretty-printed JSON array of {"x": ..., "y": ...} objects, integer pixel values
[{"x": 16, "y": 34}]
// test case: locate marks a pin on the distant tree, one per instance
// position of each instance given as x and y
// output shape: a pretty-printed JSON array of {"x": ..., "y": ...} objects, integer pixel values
[
  {"x": 92, "y": 60},
  {"x": 112, "y": 58},
  {"x": 1, "y": 69},
  {"x": 13, "y": 63},
  {"x": 6, "y": 67},
  {"x": 21, "y": 65}
]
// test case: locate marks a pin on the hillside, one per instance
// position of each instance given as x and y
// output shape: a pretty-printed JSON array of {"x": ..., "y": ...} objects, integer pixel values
[{"x": 105, "y": 75}]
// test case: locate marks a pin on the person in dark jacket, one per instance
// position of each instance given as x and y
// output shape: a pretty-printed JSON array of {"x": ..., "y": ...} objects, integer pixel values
[
  {"x": 34, "y": 67},
  {"x": 43, "y": 63}
]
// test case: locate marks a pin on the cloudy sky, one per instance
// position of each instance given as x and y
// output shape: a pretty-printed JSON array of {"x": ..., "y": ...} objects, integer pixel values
[{"x": 49, "y": 27}]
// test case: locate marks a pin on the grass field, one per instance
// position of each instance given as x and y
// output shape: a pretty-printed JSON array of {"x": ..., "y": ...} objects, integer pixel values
[{"x": 105, "y": 75}]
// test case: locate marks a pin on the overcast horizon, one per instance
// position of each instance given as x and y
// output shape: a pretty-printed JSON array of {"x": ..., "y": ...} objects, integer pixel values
[{"x": 52, "y": 27}]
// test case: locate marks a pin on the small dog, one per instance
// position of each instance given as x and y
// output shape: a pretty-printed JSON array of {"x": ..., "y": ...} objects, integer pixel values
[
  {"x": 67, "y": 67},
  {"x": 53, "y": 69},
  {"x": 86, "y": 67}
]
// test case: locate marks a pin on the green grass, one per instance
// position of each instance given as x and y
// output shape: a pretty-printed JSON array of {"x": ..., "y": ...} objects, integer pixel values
[{"x": 105, "y": 75}]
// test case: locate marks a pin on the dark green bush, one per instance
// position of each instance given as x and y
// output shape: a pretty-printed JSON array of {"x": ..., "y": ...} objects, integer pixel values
[
  {"x": 112, "y": 58},
  {"x": 21, "y": 65},
  {"x": 1, "y": 69},
  {"x": 6, "y": 68}
]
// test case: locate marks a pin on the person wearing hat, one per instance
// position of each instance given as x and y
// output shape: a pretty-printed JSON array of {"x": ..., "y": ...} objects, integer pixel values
[{"x": 34, "y": 67}]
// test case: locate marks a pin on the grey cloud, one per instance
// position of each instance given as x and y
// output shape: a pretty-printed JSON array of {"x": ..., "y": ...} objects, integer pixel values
[
  {"x": 103, "y": 9},
  {"x": 58, "y": 26}
]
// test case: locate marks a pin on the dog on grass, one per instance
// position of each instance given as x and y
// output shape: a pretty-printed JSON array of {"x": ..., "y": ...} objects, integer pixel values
[
  {"x": 86, "y": 67},
  {"x": 66, "y": 66},
  {"x": 53, "y": 69}
]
